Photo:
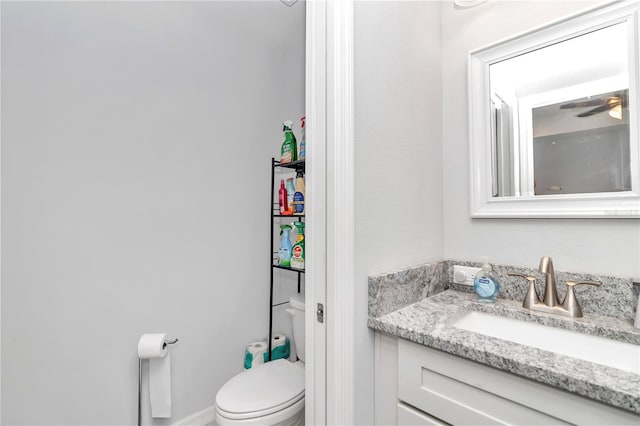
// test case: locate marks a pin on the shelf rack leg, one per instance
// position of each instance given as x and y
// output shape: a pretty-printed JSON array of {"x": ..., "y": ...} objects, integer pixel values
[{"x": 273, "y": 164}]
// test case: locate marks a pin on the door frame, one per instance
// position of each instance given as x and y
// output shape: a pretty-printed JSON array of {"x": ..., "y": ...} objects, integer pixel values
[{"x": 330, "y": 273}]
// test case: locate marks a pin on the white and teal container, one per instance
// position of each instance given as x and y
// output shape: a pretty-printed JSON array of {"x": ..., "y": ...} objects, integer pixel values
[{"x": 486, "y": 284}]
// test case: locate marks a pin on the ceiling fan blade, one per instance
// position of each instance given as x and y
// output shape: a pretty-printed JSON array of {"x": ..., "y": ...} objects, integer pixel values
[
  {"x": 592, "y": 102},
  {"x": 602, "y": 108}
]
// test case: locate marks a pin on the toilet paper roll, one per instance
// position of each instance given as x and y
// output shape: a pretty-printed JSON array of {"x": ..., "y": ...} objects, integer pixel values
[
  {"x": 280, "y": 347},
  {"x": 254, "y": 355},
  {"x": 278, "y": 340},
  {"x": 154, "y": 348}
]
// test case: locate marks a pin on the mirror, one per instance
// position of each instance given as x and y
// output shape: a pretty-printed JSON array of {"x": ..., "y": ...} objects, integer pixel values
[{"x": 554, "y": 121}]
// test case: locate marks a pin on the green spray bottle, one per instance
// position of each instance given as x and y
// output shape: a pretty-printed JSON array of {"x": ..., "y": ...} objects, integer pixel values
[
  {"x": 297, "y": 252},
  {"x": 289, "y": 150}
]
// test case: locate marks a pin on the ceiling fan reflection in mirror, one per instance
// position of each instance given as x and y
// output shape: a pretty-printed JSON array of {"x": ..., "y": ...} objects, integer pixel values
[{"x": 611, "y": 102}]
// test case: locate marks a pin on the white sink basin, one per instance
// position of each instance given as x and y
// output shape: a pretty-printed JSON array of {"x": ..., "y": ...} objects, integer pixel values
[{"x": 620, "y": 355}]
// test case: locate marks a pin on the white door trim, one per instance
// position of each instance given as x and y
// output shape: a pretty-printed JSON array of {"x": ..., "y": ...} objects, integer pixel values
[
  {"x": 340, "y": 215},
  {"x": 315, "y": 262},
  {"x": 330, "y": 176}
]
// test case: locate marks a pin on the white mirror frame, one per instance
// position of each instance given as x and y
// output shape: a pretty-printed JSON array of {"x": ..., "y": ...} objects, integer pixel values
[{"x": 594, "y": 205}]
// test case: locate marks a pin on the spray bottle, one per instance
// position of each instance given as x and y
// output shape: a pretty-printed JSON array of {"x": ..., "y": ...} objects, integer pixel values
[
  {"x": 297, "y": 252},
  {"x": 289, "y": 150},
  {"x": 283, "y": 199},
  {"x": 291, "y": 189},
  {"x": 298, "y": 195},
  {"x": 284, "y": 253},
  {"x": 303, "y": 143}
]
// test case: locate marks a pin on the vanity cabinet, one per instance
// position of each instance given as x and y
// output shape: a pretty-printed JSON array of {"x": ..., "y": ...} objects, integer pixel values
[{"x": 436, "y": 388}]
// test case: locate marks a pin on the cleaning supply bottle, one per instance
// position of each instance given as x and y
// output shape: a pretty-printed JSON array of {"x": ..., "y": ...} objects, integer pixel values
[
  {"x": 283, "y": 200},
  {"x": 486, "y": 284},
  {"x": 289, "y": 150},
  {"x": 302, "y": 153},
  {"x": 298, "y": 196},
  {"x": 297, "y": 252},
  {"x": 291, "y": 190},
  {"x": 284, "y": 253}
]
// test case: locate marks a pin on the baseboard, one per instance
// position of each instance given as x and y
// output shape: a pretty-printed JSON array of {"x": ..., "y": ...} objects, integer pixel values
[{"x": 201, "y": 418}]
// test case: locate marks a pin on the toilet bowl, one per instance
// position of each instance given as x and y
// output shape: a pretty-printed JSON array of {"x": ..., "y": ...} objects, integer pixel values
[{"x": 270, "y": 394}]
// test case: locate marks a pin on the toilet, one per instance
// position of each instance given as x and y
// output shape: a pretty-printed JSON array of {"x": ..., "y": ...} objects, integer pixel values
[{"x": 270, "y": 394}]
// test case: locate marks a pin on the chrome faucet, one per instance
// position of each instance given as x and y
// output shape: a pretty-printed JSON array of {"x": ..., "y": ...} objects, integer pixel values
[{"x": 550, "y": 302}]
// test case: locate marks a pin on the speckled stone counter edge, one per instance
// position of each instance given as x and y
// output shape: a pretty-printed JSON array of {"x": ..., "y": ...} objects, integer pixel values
[
  {"x": 391, "y": 291},
  {"x": 429, "y": 322}
]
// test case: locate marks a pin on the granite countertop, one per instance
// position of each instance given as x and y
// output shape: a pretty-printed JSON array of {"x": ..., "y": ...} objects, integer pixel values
[{"x": 429, "y": 322}]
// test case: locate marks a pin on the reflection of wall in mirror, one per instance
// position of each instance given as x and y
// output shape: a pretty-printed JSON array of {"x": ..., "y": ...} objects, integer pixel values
[
  {"x": 564, "y": 64},
  {"x": 583, "y": 162},
  {"x": 505, "y": 179},
  {"x": 582, "y": 145}
]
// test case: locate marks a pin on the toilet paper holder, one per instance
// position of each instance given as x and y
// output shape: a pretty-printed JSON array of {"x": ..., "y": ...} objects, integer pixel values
[
  {"x": 164, "y": 345},
  {"x": 169, "y": 342}
]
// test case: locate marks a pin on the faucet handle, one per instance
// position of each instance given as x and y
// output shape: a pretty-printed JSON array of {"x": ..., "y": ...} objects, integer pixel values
[
  {"x": 532, "y": 294},
  {"x": 574, "y": 283},
  {"x": 570, "y": 303},
  {"x": 526, "y": 277}
]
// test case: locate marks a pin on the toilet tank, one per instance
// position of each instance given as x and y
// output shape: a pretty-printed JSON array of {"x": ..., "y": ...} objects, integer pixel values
[{"x": 297, "y": 319}]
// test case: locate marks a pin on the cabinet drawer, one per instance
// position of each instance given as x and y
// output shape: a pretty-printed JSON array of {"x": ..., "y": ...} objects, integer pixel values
[
  {"x": 464, "y": 392},
  {"x": 457, "y": 402},
  {"x": 409, "y": 416}
]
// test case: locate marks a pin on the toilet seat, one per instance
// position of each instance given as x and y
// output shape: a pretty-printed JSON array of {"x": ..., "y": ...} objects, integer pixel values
[{"x": 262, "y": 391}]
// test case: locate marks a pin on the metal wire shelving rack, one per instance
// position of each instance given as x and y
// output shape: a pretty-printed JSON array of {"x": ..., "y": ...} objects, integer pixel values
[{"x": 274, "y": 211}]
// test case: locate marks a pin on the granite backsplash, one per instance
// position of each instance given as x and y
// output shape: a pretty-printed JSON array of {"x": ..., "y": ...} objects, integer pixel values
[{"x": 391, "y": 291}]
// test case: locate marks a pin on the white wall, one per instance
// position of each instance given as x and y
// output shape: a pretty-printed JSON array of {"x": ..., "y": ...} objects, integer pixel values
[
  {"x": 610, "y": 246},
  {"x": 136, "y": 140},
  {"x": 398, "y": 154}
]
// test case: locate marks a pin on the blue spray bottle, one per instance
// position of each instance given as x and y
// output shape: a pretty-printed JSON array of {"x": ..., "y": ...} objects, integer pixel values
[{"x": 284, "y": 253}]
